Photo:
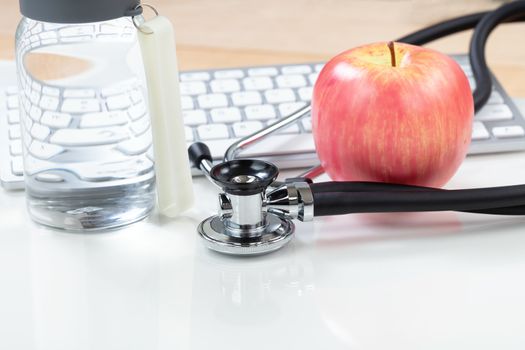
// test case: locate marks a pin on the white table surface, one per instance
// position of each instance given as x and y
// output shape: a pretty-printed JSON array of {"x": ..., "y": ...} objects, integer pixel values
[{"x": 378, "y": 281}]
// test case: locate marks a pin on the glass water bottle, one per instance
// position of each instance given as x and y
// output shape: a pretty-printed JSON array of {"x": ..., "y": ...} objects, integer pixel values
[{"x": 88, "y": 161}]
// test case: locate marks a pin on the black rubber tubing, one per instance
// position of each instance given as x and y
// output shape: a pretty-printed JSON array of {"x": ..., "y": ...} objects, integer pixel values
[
  {"x": 483, "y": 23},
  {"x": 336, "y": 198},
  {"x": 478, "y": 43},
  {"x": 377, "y": 201}
]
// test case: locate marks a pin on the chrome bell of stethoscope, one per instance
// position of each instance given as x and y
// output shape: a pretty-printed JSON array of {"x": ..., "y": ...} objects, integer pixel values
[{"x": 254, "y": 217}]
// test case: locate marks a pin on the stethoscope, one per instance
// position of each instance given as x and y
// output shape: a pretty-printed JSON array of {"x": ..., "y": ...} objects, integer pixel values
[{"x": 256, "y": 212}]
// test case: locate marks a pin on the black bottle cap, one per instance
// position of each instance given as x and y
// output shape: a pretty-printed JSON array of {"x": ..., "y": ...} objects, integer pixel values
[{"x": 78, "y": 11}]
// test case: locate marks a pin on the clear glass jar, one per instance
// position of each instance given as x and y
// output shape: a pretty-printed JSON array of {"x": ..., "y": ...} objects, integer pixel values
[{"x": 88, "y": 159}]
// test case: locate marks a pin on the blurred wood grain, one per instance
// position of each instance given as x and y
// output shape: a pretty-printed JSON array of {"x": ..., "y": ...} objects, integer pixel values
[{"x": 229, "y": 33}]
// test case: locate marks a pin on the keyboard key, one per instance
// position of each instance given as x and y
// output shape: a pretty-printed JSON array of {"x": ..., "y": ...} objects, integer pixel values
[
  {"x": 305, "y": 93},
  {"x": 34, "y": 97},
  {"x": 279, "y": 96},
  {"x": 35, "y": 113},
  {"x": 189, "y": 134},
  {"x": 257, "y": 83},
  {"x": 49, "y": 103},
  {"x": 229, "y": 74},
  {"x": 479, "y": 131},
  {"x": 494, "y": 113},
  {"x": 35, "y": 41},
  {"x": 56, "y": 119},
  {"x": 312, "y": 78},
  {"x": 212, "y": 132},
  {"x": 12, "y": 90},
  {"x": 290, "y": 81},
  {"x": 195, "y": 76},
  {"x": 246, "y": 128},
  {"x": 49, "y": 41},
  {"x": 285, "y": 109},
  {"x": 78, "y": 105},
  {"x": 118, "y": 102},
  {"x": 17, "y": 166},
  {"x": 504, "y": 132},
  {"x": 495, "y": 98},
  {"x": 136, "y": 145},
  {"x": 225, "y": 85},
  {"x": 13, "y": 116},
  {"x": 298, "y": 69},
  {"x": 225, "y": 115},
  {"x": 137, "y": 111},
  {"x": 120, "y": 88},
  {"x": 467, "y": 70},
  {"x": 72, "y": 31},
  {"x": 80, "y": 93},
  {"x": 262, "y": 71},
  {"x": 51, "y": 26},
  {"x": 47, "y": 35},
  {"x": 14, "y": 132},
  {"x": 260, "y": 112},
  {"x": 246, "y": 98},
  {"x": 307, "y": 124},
  {"x": 100, "y": 119},
  {"x": 75, "y": 39},
  {"x": 110, "y": 29},
  {"x": 186, "y": 102},
  {"x": 136, "y": 96},
  {"x": 12, "y": 102},
  {"x": 36, "y": 86},
  {"x": 15, "y": 148},
  {"x": 193, "y": 88},
  {"x": 88, "y": 137},
  {"x": 195, "y": 117},
  {"x": 43, "y": 150},
  {"x": 40, "y": 132},
  {"x": 50, "y": 91},
  {"x": 319, "y": 67},
  {"x": 140, "y": 126},
  {"x": 212, "y": 101}
]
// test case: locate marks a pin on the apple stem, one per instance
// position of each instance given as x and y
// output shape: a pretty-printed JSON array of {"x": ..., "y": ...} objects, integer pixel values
[{"x": 392, "y": 53}]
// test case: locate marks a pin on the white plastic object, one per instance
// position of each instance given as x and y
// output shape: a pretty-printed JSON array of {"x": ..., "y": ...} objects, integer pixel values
[{"x": 174, "y": 183}]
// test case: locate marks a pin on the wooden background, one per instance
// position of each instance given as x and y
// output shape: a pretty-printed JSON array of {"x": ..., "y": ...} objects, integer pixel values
[{"x": 229, "y": 33}]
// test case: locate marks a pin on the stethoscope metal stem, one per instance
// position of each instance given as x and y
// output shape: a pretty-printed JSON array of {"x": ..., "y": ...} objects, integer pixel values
[{"x": 233, "y": 151}]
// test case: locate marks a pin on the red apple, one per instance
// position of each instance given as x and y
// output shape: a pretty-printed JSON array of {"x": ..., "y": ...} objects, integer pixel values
[{"x": 392, "y": 112}]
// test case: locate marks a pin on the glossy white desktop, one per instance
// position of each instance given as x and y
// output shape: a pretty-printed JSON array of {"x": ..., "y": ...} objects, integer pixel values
[{"x": 382, "y": 281}]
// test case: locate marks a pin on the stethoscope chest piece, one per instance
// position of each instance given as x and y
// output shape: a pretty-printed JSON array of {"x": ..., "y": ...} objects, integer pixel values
[
  {"x": 273, "y": 235},
  {"x": 244, "y": 226}
]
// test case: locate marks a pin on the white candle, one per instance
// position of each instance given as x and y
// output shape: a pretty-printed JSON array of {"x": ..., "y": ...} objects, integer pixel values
[{"x": 173, "y": 175}]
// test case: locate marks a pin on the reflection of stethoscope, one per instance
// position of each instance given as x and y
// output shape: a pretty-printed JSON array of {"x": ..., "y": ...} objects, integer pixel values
[{"x": 256, "y": 212}]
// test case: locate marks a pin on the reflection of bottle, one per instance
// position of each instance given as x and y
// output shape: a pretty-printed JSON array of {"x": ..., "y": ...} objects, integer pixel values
[
  {"x": 85, "y": 127},
  {"x": 16, "y": 326},
  {"x": 95, "y": 292},
  {"x": 265, "y": 302}
]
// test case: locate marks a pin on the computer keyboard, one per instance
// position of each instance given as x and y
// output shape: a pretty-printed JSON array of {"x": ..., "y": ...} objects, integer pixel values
[{"x": 219, "y": 107}]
